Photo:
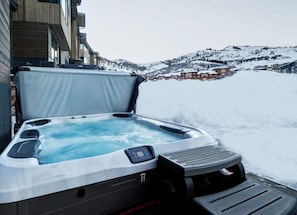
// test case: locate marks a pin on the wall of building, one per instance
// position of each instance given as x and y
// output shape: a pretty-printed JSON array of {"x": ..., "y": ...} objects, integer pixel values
[
  {"x": 30, "y": 42},
  {"x": 5, "y": 108},
  {"x": 57, "y": 15},
  {"x": 41, "y": 31}
]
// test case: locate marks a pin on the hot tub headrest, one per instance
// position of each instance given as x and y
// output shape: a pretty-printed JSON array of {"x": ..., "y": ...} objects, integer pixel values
[
  {"x": 25, "y": 149},
  {"x": 32, "y": 133}
]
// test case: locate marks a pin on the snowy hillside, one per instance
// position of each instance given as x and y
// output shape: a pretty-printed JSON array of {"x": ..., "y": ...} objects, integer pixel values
[
  {"x": 253, "y": 113},
  {"x": 238, "y": 57}
]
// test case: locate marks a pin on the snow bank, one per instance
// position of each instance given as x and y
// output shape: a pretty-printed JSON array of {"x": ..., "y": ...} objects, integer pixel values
[{"x": 253, "y": 113}]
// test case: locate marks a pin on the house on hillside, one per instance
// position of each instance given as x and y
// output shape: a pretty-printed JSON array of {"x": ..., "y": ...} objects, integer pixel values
[
  {"x": 160, "y": 77},
  {"x": 222, "y": 71},
  {"x": 207, "y": 75},
  {"x": 189, "y": 75},
  {"x": 175, "y": 76}
]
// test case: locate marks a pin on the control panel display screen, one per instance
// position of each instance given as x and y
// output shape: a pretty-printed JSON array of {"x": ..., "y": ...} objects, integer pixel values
[{"x": 140, "y": 154}]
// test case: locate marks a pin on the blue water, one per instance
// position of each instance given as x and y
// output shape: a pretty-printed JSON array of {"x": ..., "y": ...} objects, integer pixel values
[{"x": 74, "y": 140}]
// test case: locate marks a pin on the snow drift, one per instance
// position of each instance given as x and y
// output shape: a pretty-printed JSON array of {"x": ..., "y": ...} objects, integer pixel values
[{"x": 253, "y": 113}]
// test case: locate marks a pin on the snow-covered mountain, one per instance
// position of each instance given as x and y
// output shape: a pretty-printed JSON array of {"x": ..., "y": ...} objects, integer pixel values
[{"x": 237, "y": 57}]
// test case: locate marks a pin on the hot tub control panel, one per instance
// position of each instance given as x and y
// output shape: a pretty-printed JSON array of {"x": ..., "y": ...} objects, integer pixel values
[{"x": 140, "y": 154}]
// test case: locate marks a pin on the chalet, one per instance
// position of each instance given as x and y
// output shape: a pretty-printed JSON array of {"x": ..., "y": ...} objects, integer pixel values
[
  {"x": 189, "y": 75},
  {"x": 221, "y": 71},
  {"x": 207, "y": 75},
  {"x": 203, "y": 75},
  {"x": 213, "y": 75},
  {"x": 175, "y": 76},
  {"x": 160, "y": 77}
]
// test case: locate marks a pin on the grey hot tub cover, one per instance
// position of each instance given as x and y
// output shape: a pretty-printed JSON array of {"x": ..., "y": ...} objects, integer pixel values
[{"x": 53, "y": 92}]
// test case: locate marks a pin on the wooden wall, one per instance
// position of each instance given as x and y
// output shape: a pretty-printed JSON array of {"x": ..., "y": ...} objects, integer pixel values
[
  {"x": 48, "y": 13},
  {"x": 34, "y": 11},
  {"x": 5, "y": 106},
  {"x": 4, "y": 41},
  {"x": 30, "y": 40}
]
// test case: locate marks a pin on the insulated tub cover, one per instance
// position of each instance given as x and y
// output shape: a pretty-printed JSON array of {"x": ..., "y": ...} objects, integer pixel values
[{"x": 54, "y": 92}]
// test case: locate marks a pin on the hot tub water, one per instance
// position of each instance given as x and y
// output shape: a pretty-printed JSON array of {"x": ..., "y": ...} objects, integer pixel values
[{"x": 82, "y": 138}]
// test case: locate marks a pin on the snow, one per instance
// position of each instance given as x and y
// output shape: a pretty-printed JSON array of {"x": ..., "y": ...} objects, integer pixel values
[
  {"x": 252, "y": 113},
  {"x": 236, "y": 57}
]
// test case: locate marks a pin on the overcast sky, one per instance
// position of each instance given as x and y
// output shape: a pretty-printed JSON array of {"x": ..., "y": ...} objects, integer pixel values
[{"x": 153, "y": 30}]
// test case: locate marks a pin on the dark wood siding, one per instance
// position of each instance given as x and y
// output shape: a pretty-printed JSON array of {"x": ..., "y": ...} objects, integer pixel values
[
  {"x": 33, "y": 11},
  {"x": 30, "y": 40}
]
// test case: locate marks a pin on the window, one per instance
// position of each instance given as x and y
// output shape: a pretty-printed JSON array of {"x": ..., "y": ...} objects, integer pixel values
[{"x": 53, "y": 56}]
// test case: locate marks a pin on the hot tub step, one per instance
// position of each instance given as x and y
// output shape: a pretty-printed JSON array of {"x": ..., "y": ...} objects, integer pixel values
[
  {"x": 249, "y": 197},
  {"x": 198, "y": 161}
]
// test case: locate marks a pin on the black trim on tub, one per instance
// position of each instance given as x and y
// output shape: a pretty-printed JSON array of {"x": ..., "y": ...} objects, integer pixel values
[
  {"x": 173, "y": 130},
  {"x": 25, "y": 149},
  {"x": 122, "y": 115},
  {"x": 39, "y": 122}
]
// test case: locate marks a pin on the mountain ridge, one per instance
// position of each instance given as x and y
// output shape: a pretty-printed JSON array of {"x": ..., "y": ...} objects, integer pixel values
[{"x": 236, "y": 57}]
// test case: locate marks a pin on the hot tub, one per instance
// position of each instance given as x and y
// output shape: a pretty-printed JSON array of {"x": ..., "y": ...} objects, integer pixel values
[
  {"x": 94, "y": 163},
  {"x": 81, "y": 149}
]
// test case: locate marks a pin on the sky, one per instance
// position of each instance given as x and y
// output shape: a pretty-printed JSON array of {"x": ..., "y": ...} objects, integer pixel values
[
  {"x": 148, "y": 31},
  {"x": 248, "y": 112}
]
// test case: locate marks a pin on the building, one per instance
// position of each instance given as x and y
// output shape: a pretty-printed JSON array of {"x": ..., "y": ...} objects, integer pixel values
[
  {"x": 222, "y": 71},
  {"x": 6, "y": 7},
  {"x": 39, "y": 33},
  {"x": 45, "y": 31},
  {"x": 207, "y": 75},
  {"x": 78, "y": 21},
  {"x": 175, "y": 76},
  {"x": 189, "y": 75},
  {"x": 204, "y": 75},
  {"x": 86, "y": 53}
]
